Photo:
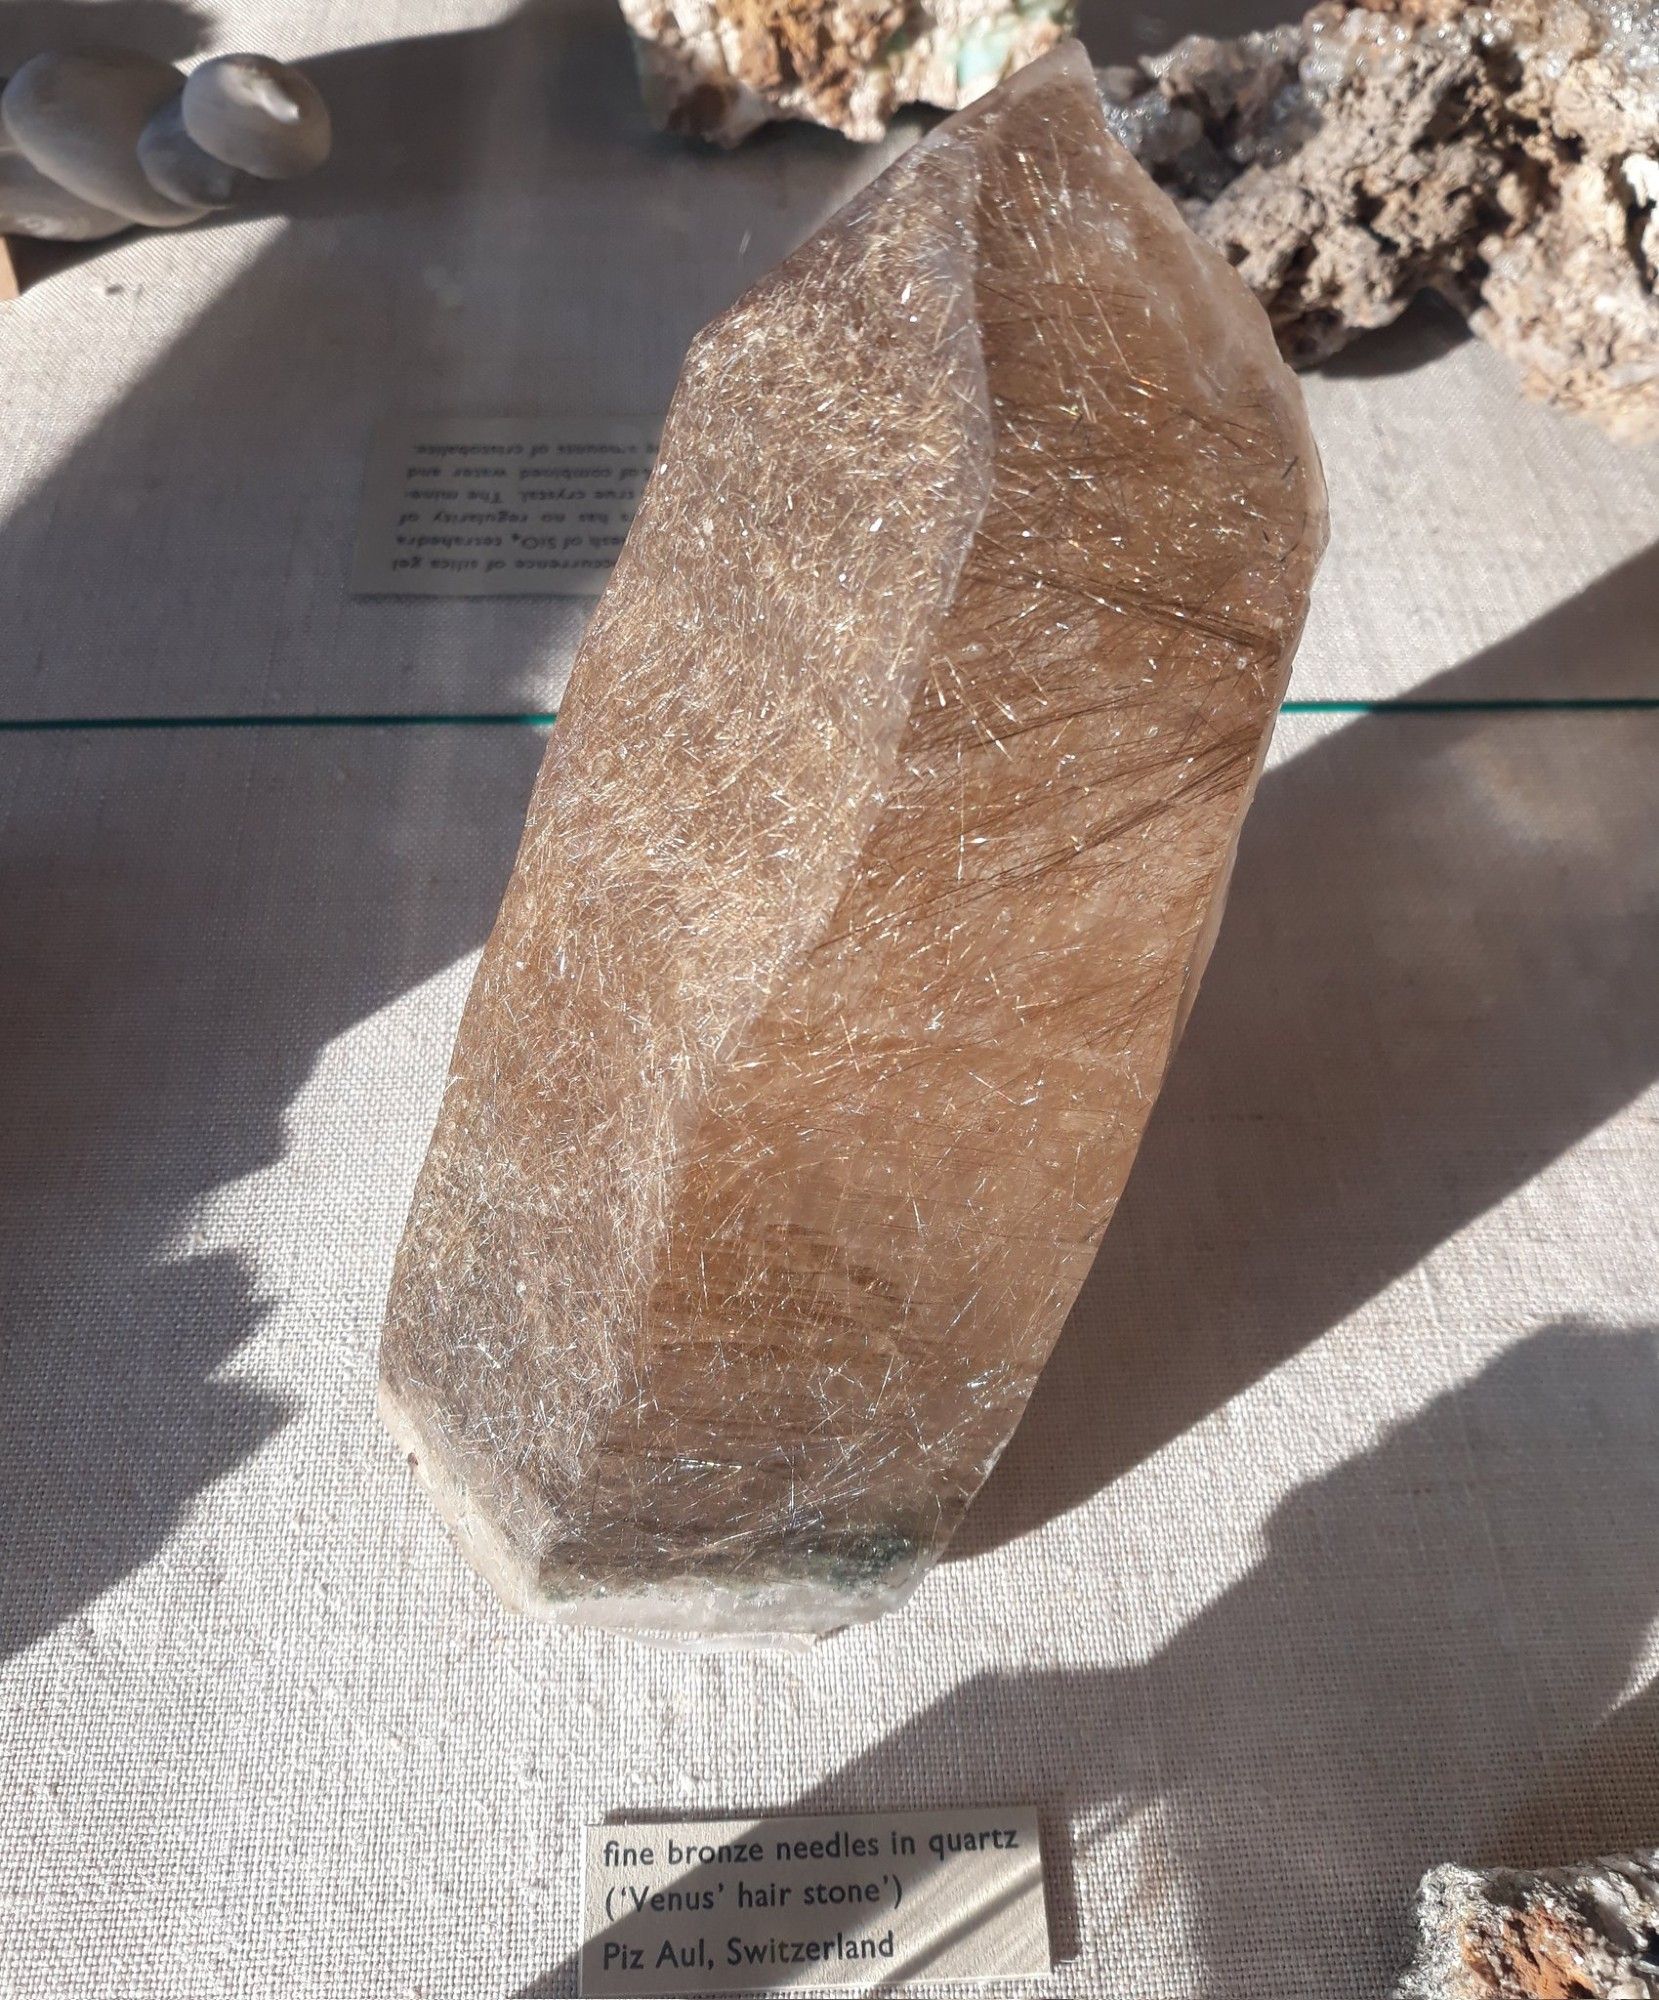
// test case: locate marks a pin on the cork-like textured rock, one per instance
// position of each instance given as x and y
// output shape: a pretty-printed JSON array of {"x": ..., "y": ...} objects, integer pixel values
[
  {"x": 1505, "y": 156},
  {"x": 865, "y": 887},
  {"x": 717, "y": 69},
  {"x": 1586, "y": 1933}
]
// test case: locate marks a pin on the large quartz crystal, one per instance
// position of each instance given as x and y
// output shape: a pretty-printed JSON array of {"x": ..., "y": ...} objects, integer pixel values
[{"x": 865, "y": 888}]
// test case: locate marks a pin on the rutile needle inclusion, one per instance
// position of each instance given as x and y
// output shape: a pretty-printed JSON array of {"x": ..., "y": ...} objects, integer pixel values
[{"x": 865, "y": 888}]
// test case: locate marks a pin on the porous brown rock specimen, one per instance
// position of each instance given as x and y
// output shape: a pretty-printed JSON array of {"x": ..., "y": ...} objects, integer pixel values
[
  {"x": 1505, "y": 156},
  {"x": 717, "y": 69},
  {"x": 1588, "y": 1933},
  {"x": 866, "y": 884}
]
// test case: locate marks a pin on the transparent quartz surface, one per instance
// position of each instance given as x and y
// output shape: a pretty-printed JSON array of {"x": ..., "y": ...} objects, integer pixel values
[{"x": 865, "y": 888}]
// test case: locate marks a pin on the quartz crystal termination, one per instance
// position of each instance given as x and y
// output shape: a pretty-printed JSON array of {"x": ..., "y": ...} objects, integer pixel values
[
  {"x": 1586, "y": 1933},
  {"x": 865, "y": 888}
]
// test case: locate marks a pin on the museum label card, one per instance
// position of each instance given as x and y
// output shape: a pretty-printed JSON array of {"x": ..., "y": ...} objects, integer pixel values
[
  {"x": 498, "y": 506},
  {"x": 848, "y": 1903}
]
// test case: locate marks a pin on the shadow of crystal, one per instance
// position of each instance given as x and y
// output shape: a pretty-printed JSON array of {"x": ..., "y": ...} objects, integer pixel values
[
  {"x": 1435, "y": 976},
  {"x": 1430, "y": 1635}
]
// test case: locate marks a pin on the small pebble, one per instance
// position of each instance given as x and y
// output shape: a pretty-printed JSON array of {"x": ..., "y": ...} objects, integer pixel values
[
  {"x": 177, "y": 167},
  {"x": 257, "y": 114},
  {"x": 78, "y": 119},
  {"x": 31, "y": 205}
]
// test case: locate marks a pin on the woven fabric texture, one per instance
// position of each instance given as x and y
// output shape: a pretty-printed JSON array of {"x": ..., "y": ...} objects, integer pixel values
[{"x": 1326, "y": 1551}]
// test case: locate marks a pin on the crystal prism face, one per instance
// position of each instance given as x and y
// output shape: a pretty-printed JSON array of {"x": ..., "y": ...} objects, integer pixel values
[{"x": 866, "y": 884}]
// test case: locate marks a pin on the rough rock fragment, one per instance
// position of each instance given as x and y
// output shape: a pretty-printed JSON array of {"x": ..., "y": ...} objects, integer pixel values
[
  {"x": 1505, "y": 156},
  {"x": 717, "y": 69},
  {"x": 1587, "y": 1933},
  {"x": 865, "y": 887}
]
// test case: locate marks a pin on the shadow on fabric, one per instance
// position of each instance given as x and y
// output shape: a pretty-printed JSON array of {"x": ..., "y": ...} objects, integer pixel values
[
  {"x": 174, "y": 30},
  {"x": 191, "y": 918},
  {"x": 1425, "y": 1664},
  {"x": 1435, "y": 975},
  {"x": 1116, "y": 34}
]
